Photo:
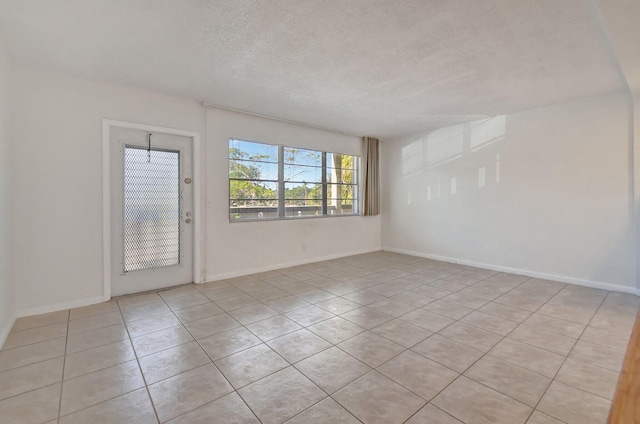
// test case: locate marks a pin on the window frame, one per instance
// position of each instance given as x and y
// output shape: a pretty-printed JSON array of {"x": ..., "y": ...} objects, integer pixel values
[{"x": 281, "y": 183}]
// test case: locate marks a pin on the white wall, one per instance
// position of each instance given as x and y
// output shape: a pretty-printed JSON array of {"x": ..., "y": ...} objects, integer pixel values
[
  {"x": 561, "y": 207},
  {"x": 58, "y": 179},
  {"x": 243, "y": 247},
  {"x": 7, "y": 288}
]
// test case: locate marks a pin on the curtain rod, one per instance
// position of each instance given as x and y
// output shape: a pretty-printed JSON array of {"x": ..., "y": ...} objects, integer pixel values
[{"x": 275, "y": 118}]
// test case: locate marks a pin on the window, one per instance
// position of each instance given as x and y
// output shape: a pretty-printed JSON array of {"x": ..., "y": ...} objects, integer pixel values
[{"x": 271, "y": 182}]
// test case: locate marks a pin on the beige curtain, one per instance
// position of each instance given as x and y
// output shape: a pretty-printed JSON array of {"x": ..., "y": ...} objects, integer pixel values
[{"x": 371, "y": 177}]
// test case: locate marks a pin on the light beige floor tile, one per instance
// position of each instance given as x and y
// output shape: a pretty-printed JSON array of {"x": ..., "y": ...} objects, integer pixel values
[
  {"x": 412, "y": 298},
  {"x": 481, "y": 292},
  {"x": 422, "y": 376},
  {"x": 267, "y": 294},
  {"x": 251, "y": 365},
  {"x": 363, "y": 297},
  {"x": 448, "y": 285},
  {"x": 30, "y": 377},
  {"x": 505, "y": 311},
  {"x": 469, "y": 301},
  {"x": 100, "y": 337},
  {"x": 270, "y": 328},
  {"x": 41, "y": 320},
  {"x": 471, "y": 336},
  {"x": 375, "y": 399},
  {"x": 82, "y": 325},
  {"x": 402, "y": 332},
  {"x": 508, "y": 379},
  {"x": 280, "y": 396},
  {"x": 176, "y": 292},
  {"x": 530, "y": 357},
  {"x": 133, "y": 407},
  {"x": 430, "y": 291},
  {"x": 136, "y": 300},
  {"x": 332, "y": 369},
  {"x": 187, "y": 391},
  {"x": 97, "y": 358},
  {"x": 287, "y": 303},
  {"x": 578, "y": 314},
  {"x": 37, "y": 406},
  {"x": 194, "y": 313},
  {"x": 448, "y": 309},
  {"x": 560, "y": 326},
  {"x": 222, "y": 293},
  {"x": 489, "y": 322},
  {"x": 35, "y": 335},
  {"x": 177, "y": 303},
  {"x": 620, "y": 320},
  {"x": 327, "y": 411},
  {"x": 212, "y": 325},
  {"x": 574, "y": 406},
  {"x": 607, "y": 338},
  {"x": 432, "y": 415},
  {"x": 453, "y": 355},
  {"x": 392, "y": 307},
  {"x": 298, "y": 345},
  {"x": 149, "y": 325},
  {"x": 371, "y": 349},
  {"x": 252, "y": 313},
  {"x": 315, "y": 295},
  {"x": 601, "y": 356},
  {"x": 547, "y": 340},
  {"x": 590, "y": 378},
  {"x": 238, "y": 302},
  {"x": 161, "y": 340},
  {"x": 473, "y": 403},
  {"x": 228, "y": 409},
  {"x": 30, "y": 354},
  {"x": 427, "y": 320},
  {"x": 228, "y": 342},
  {"x": 309, "y": 315},
  {"x": 145, "y": 311},
  {"x": 539, "y": 418},
  {"x": 338, "y": 305},
  {"x": 91, "y": 389},
  {"x": 519, "y": 302},
  {"x": 172, "y": 361},
  {"x": 91, "y": 310},
  {"x": 336, "y": 329}
]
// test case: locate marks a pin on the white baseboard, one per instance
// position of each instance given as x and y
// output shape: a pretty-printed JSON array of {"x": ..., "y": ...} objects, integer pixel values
[
  {"x": 528, "y": 273},
  {"x": 60, "y": 306},
  {"x": 4, "y": 332},
  {"x": 222, "y": 276}
]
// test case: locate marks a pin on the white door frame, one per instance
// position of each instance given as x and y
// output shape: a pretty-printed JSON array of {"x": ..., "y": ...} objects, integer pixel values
[{"x": 198, "y": 212}]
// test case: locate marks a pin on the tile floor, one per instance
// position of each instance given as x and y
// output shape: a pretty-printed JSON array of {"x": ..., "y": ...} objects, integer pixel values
[{"x": 375, "y": 338}]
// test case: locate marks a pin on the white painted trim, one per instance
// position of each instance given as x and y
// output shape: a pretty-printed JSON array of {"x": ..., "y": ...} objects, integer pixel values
[
  {"x": 518, "y": 271},
  {"x": 198, "y": 205},
  {"x": 60, "y": 306},
  {"x": 222, "y": 276},
  {"x": 4, "y": 332}
]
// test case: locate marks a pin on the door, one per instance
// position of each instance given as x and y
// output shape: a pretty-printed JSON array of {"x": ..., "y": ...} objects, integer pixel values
[{"x": 151, "y": 210}]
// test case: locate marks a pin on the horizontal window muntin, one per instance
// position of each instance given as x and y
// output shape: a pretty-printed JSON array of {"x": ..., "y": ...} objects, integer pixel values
[{"x": 310, "y": 183}]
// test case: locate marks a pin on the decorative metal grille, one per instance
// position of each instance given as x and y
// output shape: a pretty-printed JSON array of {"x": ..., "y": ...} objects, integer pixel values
[{"x": 151, "y": 208}]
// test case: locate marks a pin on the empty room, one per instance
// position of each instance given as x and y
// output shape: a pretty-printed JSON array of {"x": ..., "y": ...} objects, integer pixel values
[{"x": 319, "y": 211}]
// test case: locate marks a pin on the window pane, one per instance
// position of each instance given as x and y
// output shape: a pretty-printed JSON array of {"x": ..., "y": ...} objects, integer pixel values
[
  {"x": 340, "y": 176},
  {"x": 302, "y": 207},
  {"x": 239, "y": 149},
  {"x": 337, "y": 160},
  {"x": 299, "y": 173},
  {"x": 340, "y": 191},
  {"x": 251, "y": 170},
  {"x": 253, "y": 193},
  {"x": 302, "y": 157},
  {"x": 339, "y": 206}
]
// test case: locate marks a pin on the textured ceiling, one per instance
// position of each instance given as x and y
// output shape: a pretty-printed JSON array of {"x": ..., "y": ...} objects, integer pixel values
[{"x": 378, "y": 67}]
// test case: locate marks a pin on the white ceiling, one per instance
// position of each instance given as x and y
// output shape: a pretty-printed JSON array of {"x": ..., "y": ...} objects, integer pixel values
[{"x": 378, "y": 67}]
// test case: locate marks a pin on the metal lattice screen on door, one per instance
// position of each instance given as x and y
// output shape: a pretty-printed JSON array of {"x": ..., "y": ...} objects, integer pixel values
[{"x": 151, "y": 208}]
